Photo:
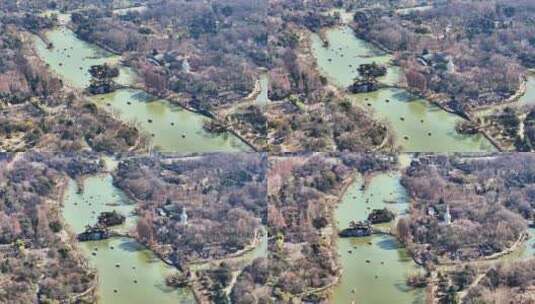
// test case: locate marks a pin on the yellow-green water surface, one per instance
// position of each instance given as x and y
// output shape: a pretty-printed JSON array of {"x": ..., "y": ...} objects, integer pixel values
[{"x": 71, "y": 57}]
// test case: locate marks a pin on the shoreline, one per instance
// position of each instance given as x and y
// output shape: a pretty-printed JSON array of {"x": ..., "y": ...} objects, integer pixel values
[
  {"x": 168, "y": 97},
  {"x": 346, "y": 183},
  {"x": 174, "y": 100},
  {"x": 388, "y": 142},
  {"x": 366, "y": 179},
  {"x": 431, "y": 99},
  {"x": 519, "y": 93},
  {"x": 428, "y": 98},
  {"x": 80, "y": 94},
  {"x": 93, "y": 290},
  {"x": 193, "y": 280},
  {"x": 114, "y": 234}
]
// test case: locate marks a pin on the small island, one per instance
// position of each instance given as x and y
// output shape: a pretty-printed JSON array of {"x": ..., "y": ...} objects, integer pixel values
[
  {"x": 371, "y": 70},
  {"x": 378, "y": 216},
  {"x": 357, "y": 229},
  {"x": 113, "y": 218},
  {"x": 102, "y": 79},
  {"x": 94, "y": 233},
  {"x": 367, "y": 79}
]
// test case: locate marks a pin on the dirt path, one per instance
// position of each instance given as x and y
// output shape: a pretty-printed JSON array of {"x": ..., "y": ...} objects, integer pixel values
[{"x": 478, "y": 279}]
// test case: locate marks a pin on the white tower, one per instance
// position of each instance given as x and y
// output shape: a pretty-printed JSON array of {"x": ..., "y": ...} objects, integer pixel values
[
  {"x": 185, "y": 65},
  {"x": 184, "y": 217},
  {"x": 447, "y": 216},
  {"x": 451, "y": 66}
]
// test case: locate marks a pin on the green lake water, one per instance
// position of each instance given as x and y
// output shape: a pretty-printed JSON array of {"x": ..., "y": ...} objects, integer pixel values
[
  {"x": 529, "y": 248},
  {"x": 71, "y": 57},
  {"x": 172, "y": 129},
  {"x": 128, "y": 273},
  {"x": 262, "y": 98},
  {"x": 529, "y": 97},
  {"x": 418, "y": 125},
  {"x": 383, "y": 278}
]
